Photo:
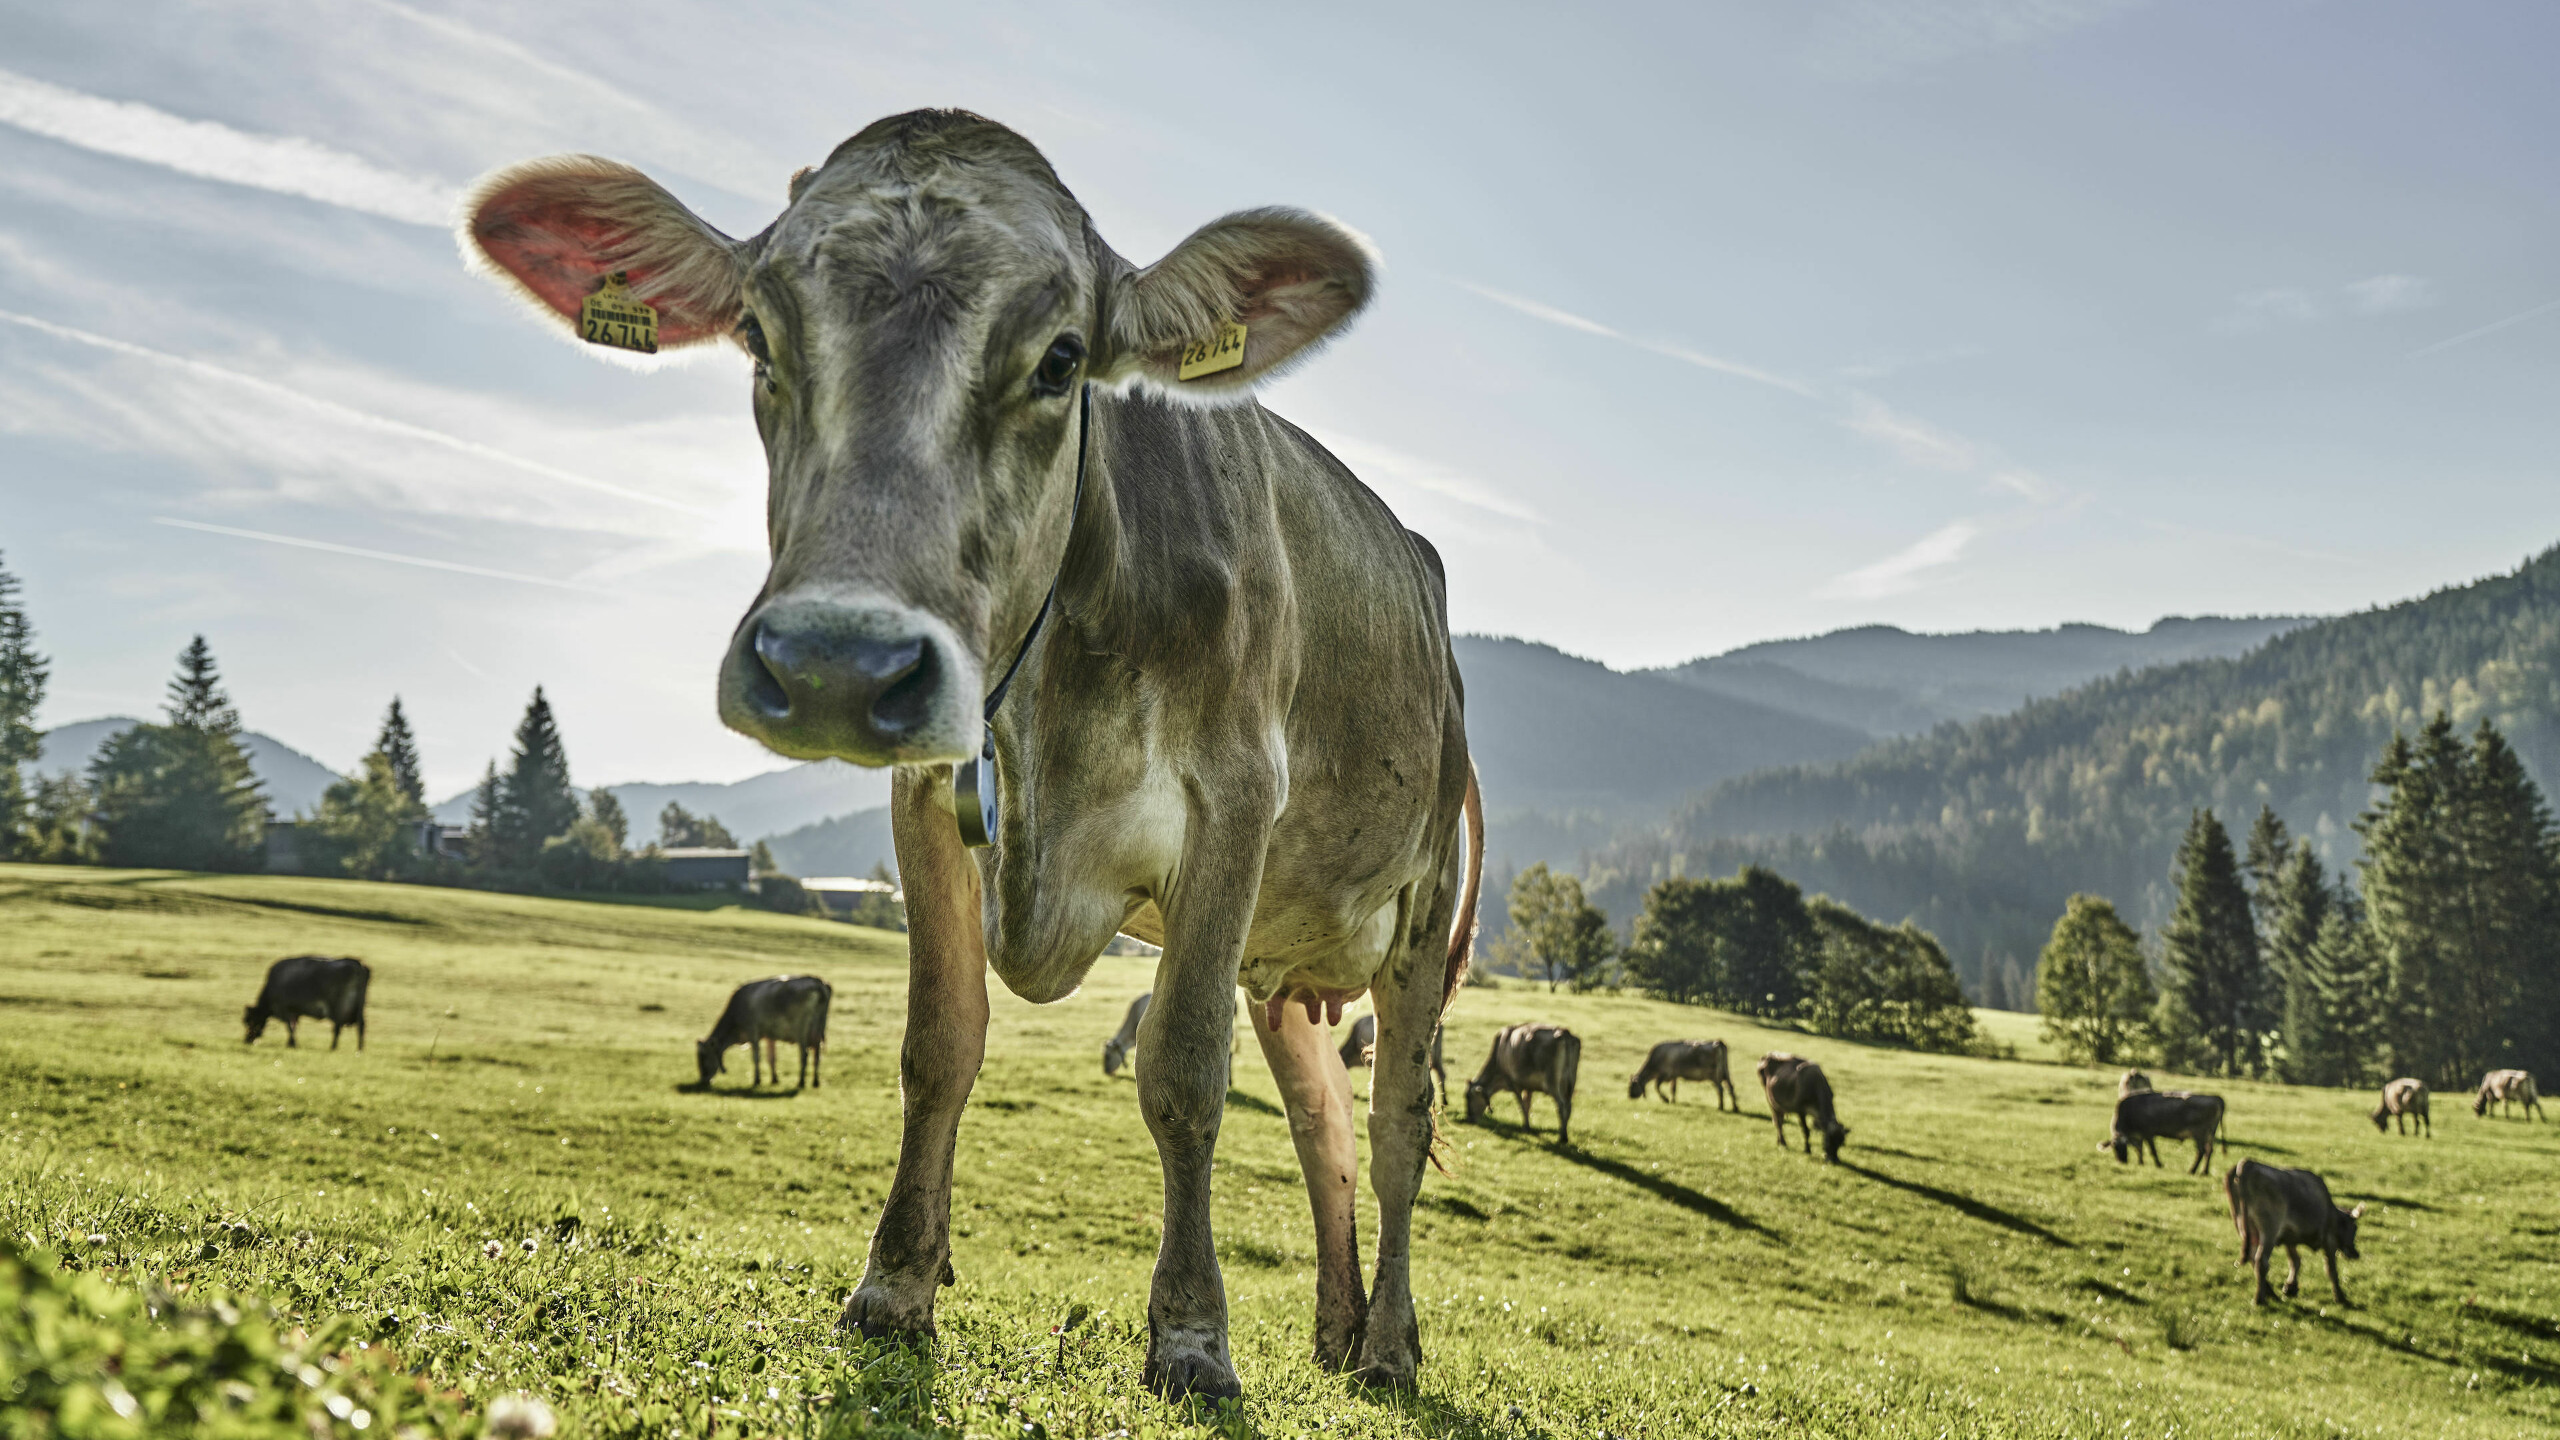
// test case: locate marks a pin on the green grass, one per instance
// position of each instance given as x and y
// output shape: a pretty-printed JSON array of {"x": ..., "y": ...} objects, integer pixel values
[{"x": 669, "y": 1262}]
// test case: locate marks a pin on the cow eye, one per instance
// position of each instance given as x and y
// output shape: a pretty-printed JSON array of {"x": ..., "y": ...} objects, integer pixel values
[
  {"x": 751, "y": 332},
  {"x": 1058, "y": 367}
]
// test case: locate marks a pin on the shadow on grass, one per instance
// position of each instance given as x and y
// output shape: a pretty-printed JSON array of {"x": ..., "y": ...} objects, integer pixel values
[
  {"x": 2524, "y": 1368},
  {"x": 1435, "y": 1417},
  {"x": 735, "y": 1092},
  {"x": 1238, "y": 1100},
  {"x": 2397, "y": 1201},
  {"x": 1694, "y": 1201},
  {"x": 1989, "y": 1214}
]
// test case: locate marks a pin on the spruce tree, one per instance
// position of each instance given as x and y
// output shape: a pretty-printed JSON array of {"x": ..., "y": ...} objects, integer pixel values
[
  {"x": 2270, "y": 852},
  {"x": 2296, "y": 910},
  {"x": 2416, "y": 893},
  {"x": 2215, "y": 1004},
  {"x": 397, "y": 745},
  {"x": 181, "y": 795},
  {"x": 487, "y": 798},
  {"x": 2333, "y": 1039},
  {"x": 535, "y": 801},
  {"x": 2514, "y": 882},
  {"x": 22, "y": 681}
]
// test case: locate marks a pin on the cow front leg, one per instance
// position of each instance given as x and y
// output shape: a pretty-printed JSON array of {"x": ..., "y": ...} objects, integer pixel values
[
  {"x": 1409, "y": 988},
  {"x": 2335, "y": 1288},
  {"x": 2293, "y": 1277},
  {"x": 946, "y": 1041},
  {"x": 1182, "y": 1091},
  {"x": 1317, "y": 1090},
  {"x": 2264, "y": 1257}
]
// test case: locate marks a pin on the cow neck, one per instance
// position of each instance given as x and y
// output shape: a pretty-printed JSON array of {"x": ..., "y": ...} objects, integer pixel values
[{"x": 976, "y": 787}]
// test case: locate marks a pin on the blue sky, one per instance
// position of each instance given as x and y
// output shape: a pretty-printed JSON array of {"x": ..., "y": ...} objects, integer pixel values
[{"x": 1701, "y": 324}]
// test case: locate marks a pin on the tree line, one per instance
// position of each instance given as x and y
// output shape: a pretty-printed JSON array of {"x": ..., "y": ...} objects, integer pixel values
[
  {"x": 2444, "y": 963},
  {"x": 1755, "y": 944},
  {"x": 180, "y": 794}
]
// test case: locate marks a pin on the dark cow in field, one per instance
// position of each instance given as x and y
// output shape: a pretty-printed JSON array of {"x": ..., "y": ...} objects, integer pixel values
[
  {"x": 311, "y": 987},
  {"x": 1360, "y": 1048},
  {"x": 767, "y": 1014},
  {"x": 2146, "y": 1117},
  {"x": 1673, "y": 1061},
  {"x": 1141, "y": 655},
  {"x": 1115, "y": 1051},
  {"x": 1796, "y": 1086},
  {"x": 1530, "y": 1060},
  {"x": 2506, "y": 1089},
  {"x": 2272, "y": 1207},
  {"x": 2402, "y": 1099}
]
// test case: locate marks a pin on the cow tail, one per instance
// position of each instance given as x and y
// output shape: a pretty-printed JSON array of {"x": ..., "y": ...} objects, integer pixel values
[{"x": 1462, "y": 933}]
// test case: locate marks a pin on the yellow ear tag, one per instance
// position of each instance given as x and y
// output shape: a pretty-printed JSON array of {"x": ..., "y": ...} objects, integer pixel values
[
  {"x": 614, "y": 316},
  {"x": 1208, "y": 357}
]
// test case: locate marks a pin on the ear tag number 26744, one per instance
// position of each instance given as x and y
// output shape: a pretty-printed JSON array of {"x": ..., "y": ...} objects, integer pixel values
[
  {"x": 1207, "y": 357},
  {"x": 616, "y": 317}
]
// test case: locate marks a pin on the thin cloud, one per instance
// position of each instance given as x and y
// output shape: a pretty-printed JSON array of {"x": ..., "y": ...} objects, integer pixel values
[
  {"x": 1904, "y": 569},
  {"x": 1916, "y": 442},
  {"x": 2256, "y": 310},
  {"x": 2388, "y": 294},
  {"x": 2491, "y": 328},
  {"x": 1380, "y": 462},
  {"x": 285, "y": 164},
  {"x": 1538, "y": 310},
  {"x": 347, "y": 414},
  {"x": 360, "y": 553}
]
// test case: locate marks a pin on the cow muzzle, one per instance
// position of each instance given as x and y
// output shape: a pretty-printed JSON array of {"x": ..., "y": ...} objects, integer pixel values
[{"x": 875, "y": 684}]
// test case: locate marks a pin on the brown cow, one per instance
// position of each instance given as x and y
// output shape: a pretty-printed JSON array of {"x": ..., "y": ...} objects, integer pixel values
[
  {"x": 2401, "y": 1099},
  {"x": 2272, "y": 1207},
  {"x": 1796, "y": 1086},
  {"x": 1530, "y": 1060},
  {"x": 1673, "y": 1061},
  {"x": 2504, "y": 1088},
  {"x": 2145, "y": 1117}
]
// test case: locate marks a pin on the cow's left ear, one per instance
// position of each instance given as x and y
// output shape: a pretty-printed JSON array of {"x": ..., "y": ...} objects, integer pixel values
[
  {"x": 1289, "y": 278},
  {"x": 2356, "y": 1214}
]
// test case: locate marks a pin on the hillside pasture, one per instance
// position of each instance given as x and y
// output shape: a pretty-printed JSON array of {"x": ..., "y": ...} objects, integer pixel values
[{"x": 517, "y": 1186}]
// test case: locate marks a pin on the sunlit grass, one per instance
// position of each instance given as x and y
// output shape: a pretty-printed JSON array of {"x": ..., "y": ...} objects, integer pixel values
[{"x": 514, "y": 1187}]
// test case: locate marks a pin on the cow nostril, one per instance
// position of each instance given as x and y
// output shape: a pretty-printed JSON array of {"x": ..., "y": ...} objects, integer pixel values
[
  {"x": 764, "y": 685},
  {"x": 907, "y": 701}
]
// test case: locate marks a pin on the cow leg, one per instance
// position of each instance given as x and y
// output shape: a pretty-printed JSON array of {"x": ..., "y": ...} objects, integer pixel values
[
  {"x": 359, "y": 1032},
  {"x": 1409, "y": 988},
  {"x": 293, "y": 1032},
  {"x": 946, "y": 1040},
  {"x": 2264, "y": 1255},
  {"x": 2293, "y": 1277},
  {"x": 1317, "y": 1090},
  {"x": 2334, "y": 1287},
  {"x": 1523, "y": 1098},
  {"x": 1780, "y": 1116}
]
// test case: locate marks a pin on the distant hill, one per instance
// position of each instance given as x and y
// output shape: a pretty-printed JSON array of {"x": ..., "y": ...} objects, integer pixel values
[
  {"x": 846, "y": 845},
  {"x": 1886, "y": 681},
  {"x": 1980, "y": 831},
  {"x": 759, "y": 806},
  {"x": 294, "y": 781}
]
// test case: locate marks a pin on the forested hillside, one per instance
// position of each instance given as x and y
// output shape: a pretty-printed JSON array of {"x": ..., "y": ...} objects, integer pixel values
[{"x": 1981, "y": 831}]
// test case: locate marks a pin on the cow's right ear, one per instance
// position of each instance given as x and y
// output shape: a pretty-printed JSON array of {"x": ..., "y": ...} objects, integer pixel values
[{"x": 555, "y": 229}]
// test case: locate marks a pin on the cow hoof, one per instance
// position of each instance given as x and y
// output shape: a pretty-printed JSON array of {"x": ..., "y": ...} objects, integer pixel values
[
  {"x": 1386, "y": 1374},
  {"x": 1337, "y": 1346},
  {"x": 877, "y": 1313},
  {"x": 1180, "y": 1374}
]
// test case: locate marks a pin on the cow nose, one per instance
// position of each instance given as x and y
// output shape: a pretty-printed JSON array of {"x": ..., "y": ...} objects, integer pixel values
[{"x": 819, "y": 679}]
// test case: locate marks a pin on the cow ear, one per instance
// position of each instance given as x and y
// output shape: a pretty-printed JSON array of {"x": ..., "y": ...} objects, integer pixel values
[
  {"x": 1291, "y": 279},
  {"x": 2356, "y": 1214},
  {"x": 555, "y": 229}
]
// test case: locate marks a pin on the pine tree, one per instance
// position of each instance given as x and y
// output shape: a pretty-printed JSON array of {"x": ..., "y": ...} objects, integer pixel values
[
  {"x": 2294, "y": 913},
  {"x": 2216, "y": 1005},
  {"x": 2416, "y": 887},
  {"x": 22, "y": 680},
  {"x": 535, "y": 801},
  {"x": 2515, "y": 889},
  {"x": 487, "y": 798},
  {"x": 1995, "y": 985},
  {"x": 605, "y": 808},
  {"x": 399, "y": 746},
  {"x": 2270, "y": 852},
  {"x": 181, "y": 795},
  {"x": 2093, "y": 989},
  {"x": 2334, "y": 1039}
]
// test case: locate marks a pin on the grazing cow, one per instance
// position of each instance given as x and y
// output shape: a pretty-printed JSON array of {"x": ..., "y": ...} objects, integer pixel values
[
  {"x": 1673, "y": 1061},
  {"x": 1004, "y": 460},
  {"x": 2400, "y": 1100},
  {"x": 1360, "y": 1048},
  {"x": 2133, "y": 1081},
  {"x": 1796, "y": 1086},
  {"x": 1530, "y": 1060},
  {"x": 2146, "y": 1117},
  {"x": 312, "y": 986},
  {"x": 1115, "y": 1051},
  {"x": 2505, "y": 1088},
  {"x": 789, "y": 1008},
  {"x": 2273, "y": 1206}
]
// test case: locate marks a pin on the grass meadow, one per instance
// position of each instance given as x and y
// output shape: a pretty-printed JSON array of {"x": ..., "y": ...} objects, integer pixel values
[{"x": 514, "y": 1188}]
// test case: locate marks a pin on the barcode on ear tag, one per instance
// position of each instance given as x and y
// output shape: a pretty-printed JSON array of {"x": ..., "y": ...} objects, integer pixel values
[
  {"x": 614, "y": 316},
  {"x": 1208, "y": 357}
]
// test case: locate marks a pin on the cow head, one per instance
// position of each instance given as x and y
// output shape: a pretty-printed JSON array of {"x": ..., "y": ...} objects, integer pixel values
[
  {"x": 1635, "y": 1087},
  {"x": 2480, "y": 1102},
  {"x": 2119, "y": 1144},
  {"x": 254, "y": 1020},
  {"x": 1114, "y": 1055},
  {"x": 2342, "y": 1230},
  {"x": 921, "y": 320},
  {"x": 1479, "y": 1095},
  {"x": 710, "y": 1059},
  {"x": 1833, "y": 1134}
]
